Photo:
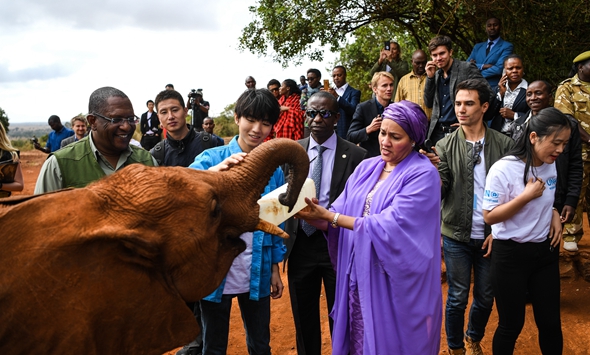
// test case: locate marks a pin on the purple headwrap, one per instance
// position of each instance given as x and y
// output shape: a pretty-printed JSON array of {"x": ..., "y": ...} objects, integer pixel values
[{"x": 410, "y": 117}]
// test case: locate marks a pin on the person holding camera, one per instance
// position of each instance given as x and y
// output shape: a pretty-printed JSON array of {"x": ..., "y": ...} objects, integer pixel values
[
  {"x": 391, "y": 62},
  {"x": 199, "y": 107}
]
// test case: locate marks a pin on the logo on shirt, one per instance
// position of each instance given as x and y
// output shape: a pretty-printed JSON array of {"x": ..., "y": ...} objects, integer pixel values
[
  {"x": 552, "y": 183},
  {"x": 491, "y": 196}
]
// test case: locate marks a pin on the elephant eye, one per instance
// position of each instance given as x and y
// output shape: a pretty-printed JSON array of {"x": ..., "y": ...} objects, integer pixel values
[{"x": 215, "y": 209}]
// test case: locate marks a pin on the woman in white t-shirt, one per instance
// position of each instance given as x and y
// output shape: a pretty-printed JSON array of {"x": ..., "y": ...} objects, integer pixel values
[{"x": 518, "y": 204}]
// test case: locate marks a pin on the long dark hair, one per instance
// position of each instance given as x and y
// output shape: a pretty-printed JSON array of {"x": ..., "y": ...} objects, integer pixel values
[
  {"x": 547, "y": 122},
  {"x": 293, "y": 87}
]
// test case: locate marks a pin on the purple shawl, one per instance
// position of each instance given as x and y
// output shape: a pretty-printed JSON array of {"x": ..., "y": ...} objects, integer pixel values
[{"x": 395, "y": 253}]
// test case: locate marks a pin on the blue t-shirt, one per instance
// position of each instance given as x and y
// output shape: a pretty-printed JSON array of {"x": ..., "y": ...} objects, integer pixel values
[{"x": 55, "y": 138}]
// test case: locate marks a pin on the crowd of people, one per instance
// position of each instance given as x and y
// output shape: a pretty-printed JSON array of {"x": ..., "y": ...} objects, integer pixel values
[{"x": 467, "y": 151}]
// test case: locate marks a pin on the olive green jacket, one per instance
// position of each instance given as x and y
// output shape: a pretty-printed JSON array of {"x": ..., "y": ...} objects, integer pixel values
[{"x": 456, "y": 174}]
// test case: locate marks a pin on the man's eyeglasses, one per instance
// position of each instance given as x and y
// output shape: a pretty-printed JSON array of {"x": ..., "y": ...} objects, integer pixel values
[
  {"x": 274, "y": 89},
  {"x": 323, "y": 113},
  {"x": 309, "y": 78},
  {"x": 117, "y": 121},
  {"x": 477, "y": 148}
]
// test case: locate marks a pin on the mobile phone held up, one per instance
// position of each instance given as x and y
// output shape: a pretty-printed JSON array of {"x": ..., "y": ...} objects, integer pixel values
[
  {"x": 387, "y": 45},
  {"x": 326, "y": 84},
  {"x": 427, "y": 146}
]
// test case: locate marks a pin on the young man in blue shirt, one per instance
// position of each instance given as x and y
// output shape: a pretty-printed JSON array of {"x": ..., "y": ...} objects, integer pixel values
[{"x": 254, "y": 276}]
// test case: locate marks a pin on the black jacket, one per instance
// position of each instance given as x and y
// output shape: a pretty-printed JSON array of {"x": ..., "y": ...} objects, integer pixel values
[
  {"x": 519, "y": 106},
  {"x": 570, "y": 168},
  {"x": 363, "y": 116},
  {"x": 181, "y": 152}
]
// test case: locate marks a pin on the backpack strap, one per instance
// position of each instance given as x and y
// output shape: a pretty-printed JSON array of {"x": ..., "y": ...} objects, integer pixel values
[
  {"x": 207, "y": 140},
  {"x": 159, "y": 152}
]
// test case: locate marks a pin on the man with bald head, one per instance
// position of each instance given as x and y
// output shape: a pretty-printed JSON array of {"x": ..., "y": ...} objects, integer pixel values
[
  {"x": 250, "y": 83},
  {"x": 411, "y": 86},
  {"x": 105, "y": 150}
]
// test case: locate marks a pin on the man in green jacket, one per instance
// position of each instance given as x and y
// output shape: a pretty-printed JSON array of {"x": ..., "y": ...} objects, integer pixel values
[
  {"x": 466, "y": 156},
  {"x": 105, "y": 150}
]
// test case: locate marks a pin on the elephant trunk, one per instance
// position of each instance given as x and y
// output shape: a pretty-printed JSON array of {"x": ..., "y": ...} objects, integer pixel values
[{"x": 248, "y": 179}]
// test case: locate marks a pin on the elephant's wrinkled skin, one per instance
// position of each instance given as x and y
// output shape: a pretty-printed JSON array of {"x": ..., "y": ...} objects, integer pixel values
[{"x": 107, "y": 269}]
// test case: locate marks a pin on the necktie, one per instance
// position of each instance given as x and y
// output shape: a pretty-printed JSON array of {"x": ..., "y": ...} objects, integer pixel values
[
  {"x": 316, "y": 176},
  {"x": 490, "y": 43}
]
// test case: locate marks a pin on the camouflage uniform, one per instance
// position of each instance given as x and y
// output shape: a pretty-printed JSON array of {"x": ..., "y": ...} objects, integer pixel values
[{"x": 573, "y": 98}]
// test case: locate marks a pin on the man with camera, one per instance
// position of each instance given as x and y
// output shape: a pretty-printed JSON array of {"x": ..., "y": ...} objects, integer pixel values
[{"x": 199, "y": 107}]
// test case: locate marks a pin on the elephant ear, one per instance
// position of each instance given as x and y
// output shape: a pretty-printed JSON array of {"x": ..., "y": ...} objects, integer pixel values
[{"x": 133, "y": 247}]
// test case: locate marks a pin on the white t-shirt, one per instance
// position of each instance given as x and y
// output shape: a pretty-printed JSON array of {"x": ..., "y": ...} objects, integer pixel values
[
  {"x": 238, "y": 278},
  {"x": 479, "y": 182},
  {"x": 504, "y": 183}
]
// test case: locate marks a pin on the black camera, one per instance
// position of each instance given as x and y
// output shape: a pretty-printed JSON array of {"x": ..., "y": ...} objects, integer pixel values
[
  {"x": 195, "y": 93},
  {"x": 34, "y": 140}
]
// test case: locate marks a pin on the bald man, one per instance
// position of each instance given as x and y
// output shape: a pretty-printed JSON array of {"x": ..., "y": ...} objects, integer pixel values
[
  {"x": 411, "y": 85},
  {"x": 250, "y": 83}
]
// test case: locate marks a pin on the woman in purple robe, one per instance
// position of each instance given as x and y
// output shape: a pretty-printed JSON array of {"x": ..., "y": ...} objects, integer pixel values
[{"x": 385, "y": 245}]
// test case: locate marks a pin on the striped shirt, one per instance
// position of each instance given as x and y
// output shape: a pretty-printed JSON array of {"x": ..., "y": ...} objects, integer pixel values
[{"x": 411, "y": 88}]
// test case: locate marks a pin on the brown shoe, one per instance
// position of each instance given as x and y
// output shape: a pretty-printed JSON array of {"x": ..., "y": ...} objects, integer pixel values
[
  {"x": 456, "y": 351},
  {"x": 473, "y": 347}
]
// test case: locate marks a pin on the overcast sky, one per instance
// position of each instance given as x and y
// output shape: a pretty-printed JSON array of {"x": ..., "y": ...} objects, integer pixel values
[{"x": 54, "y": 54}]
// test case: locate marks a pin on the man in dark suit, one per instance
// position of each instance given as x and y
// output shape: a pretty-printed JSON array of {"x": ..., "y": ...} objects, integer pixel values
[
  {"x": 443, "y": 74},
  {"x": 348, "y": 98},
  {"x": 366, "y": 121},
  {"x": 151, "y": 133},
  {"x": 307, "y": 249},
  {"x": 489, "y": 56}
]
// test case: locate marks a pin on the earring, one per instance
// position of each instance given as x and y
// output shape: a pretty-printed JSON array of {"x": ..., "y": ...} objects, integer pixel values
[{"x": 413, "y": 145}]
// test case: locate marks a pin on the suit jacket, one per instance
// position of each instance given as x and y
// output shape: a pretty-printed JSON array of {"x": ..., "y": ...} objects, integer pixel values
[
  {"x": 460, "y": 71},
  {"x": 347, "y": 105},
  {"x": 519, "y": 106},
  {"x": 499, "y": 52},
  {"x": 346, "y": 158},
  {"x": 364, "y": 114},
  {"x": 154, "y": 123}
]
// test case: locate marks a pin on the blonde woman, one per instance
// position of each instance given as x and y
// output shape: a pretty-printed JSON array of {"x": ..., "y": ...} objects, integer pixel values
[{"x": 9, "y": 154}]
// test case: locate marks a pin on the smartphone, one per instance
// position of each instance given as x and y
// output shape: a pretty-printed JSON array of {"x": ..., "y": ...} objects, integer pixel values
[
  {"x": 428, "y": 146},
  {"x": 503, "y": 72},
  {"x": 326, "y": 84},
  {"x": 387, "y": 45}
]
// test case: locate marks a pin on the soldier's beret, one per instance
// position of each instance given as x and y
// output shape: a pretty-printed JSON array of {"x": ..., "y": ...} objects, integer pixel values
[{"x": 582, "y": 57}]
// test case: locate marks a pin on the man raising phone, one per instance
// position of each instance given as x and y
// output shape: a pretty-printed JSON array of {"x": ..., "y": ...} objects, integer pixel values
[{"x": 391, "y": 62}]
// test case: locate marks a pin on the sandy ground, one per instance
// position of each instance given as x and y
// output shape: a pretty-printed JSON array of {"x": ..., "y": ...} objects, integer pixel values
[{"x": 575, "y": 306}]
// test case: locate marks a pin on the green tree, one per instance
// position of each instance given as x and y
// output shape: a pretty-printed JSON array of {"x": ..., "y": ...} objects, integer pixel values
[
  {"x": 4, "y": 119},
  {"x": 224, "y": 123},
  {"x": 547, "y": 34}
]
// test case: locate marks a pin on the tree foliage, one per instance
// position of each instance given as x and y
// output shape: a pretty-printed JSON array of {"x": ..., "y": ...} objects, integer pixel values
[
  {"x": 4, "y": 119},
  {"x": 225, "y": 125},
  {"x": 547, "y": 34}
]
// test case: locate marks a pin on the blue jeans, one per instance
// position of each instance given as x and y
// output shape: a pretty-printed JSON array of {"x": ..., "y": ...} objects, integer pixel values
[
  {"x": 255, "y": 315},
  {"x": 460, "y": 258}
]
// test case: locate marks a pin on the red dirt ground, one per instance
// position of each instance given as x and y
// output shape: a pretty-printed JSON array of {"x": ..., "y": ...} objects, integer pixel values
[{"x": 575, "y": 306}]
